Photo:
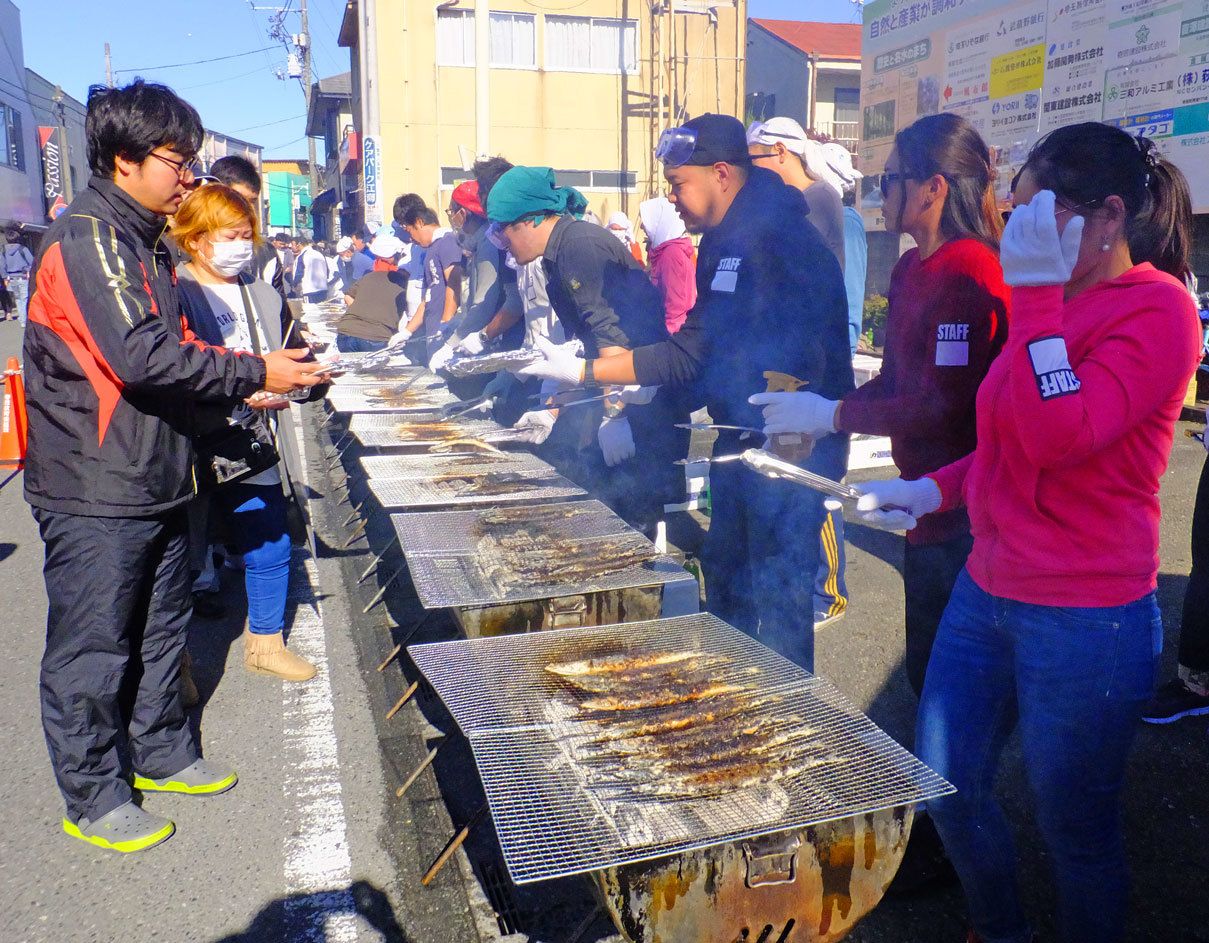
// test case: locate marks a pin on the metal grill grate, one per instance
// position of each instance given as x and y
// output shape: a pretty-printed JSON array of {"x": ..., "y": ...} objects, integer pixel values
[
  {"x": 386, "y": 431},
  {"x": 490, "y": 488},
  {"x": 384, "y": 376},
  {"x": 461, "y": 531},
  {"x": 553, "y": 816},
  {"x": 429, "y": 466},
  {"x": 381, "y": 399}
]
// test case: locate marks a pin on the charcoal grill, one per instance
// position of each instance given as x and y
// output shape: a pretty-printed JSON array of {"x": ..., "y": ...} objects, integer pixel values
[
  {"x": 403, "y": 435},
  {"x": 454, "y": 565},
  {"x": 429, "y": 466},
  {"x": 816, "y": 846},
  {"x": 469, "y": 487},
  {"x": 380, "y": 398}
]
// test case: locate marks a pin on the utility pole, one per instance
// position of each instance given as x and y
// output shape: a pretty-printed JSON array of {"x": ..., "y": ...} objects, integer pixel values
[
  {"x": 305, "y": 43},
  {"x": 482, "y": 85},
  {"x": 108, "y": 67}
]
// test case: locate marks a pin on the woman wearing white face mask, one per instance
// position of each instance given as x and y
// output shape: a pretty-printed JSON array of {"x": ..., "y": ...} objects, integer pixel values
[{"x": 226, "y": 304}]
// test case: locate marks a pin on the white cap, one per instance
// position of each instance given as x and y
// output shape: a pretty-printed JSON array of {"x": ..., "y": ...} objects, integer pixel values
[
  {"x": 343, "y": 244},
  {"x": 839, "y": 162},
  {"x": 386, "y": 245},
  {"x": 778, "y": 131}
]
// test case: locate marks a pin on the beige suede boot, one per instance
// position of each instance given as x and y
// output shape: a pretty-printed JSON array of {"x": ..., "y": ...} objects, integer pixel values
[{"x": 267, "y": 655}]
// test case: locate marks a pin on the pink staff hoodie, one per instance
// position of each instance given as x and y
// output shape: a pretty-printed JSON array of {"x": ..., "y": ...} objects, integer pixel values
[{"x": 1075, "y": 423}]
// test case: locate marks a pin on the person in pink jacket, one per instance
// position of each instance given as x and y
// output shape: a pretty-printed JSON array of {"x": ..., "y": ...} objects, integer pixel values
[
  {"x": 673, "y": 268},
  {"x": 1053, "y": 625}
]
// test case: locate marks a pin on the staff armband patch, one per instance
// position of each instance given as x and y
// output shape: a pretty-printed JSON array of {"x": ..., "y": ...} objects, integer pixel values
[{"x": 1051, "y": 368}]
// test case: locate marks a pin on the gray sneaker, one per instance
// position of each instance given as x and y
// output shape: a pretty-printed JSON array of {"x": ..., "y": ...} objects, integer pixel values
[
  {"x": 127, "y": 828},
  {"x": 199, "y": 778}
]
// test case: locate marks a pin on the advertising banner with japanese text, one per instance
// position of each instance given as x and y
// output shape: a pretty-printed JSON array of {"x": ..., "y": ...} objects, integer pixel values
[{"x": 1019, "y": 69}]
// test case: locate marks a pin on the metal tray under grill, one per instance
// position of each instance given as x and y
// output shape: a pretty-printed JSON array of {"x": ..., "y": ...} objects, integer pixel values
[
  {"x": 552, "y": 823},
  {"x": 392, "y": 431},
  {"x": 429, "y": 466},
  {"x": 491, "y": 488},
  {"x": 380, "y": 399},
  {"x": 446, "y": 532},
  {"x": 461, "y": 580}
]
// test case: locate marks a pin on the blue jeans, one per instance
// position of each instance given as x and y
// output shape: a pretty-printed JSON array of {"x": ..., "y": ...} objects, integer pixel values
[
  {"x": 1075, "y": 681},
  {"x": 19, "y": 289},
  {"x": 347, "y": 344},
  {"x": 257, "y": 515}
]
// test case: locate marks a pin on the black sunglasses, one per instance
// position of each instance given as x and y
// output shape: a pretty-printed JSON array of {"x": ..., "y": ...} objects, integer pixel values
[{"x": 884, "y": 181}]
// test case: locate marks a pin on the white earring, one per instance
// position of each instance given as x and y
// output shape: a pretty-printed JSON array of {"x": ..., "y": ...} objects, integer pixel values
[{"x": 1105, "y": 247}]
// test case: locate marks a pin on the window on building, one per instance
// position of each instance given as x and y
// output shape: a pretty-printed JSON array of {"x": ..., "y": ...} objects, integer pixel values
[
  {"x": 455, "y": 37},
  {"x": 597, "y": 179},
  {"x": 4, "y": 149},
  {"x": 452, "y": 176},
  {"x": 848, "y": 104},
  {"x": 512, "y": 38},
  {"x": 591, "y": 44},
  {"x": 16, "y": 144}
]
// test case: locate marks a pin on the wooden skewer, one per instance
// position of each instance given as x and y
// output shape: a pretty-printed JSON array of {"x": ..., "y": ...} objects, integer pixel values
[
  {"x": 391, "y": 657},
  {"x": 432, "y": 755},
  {"x": 403, "y": 700},
  {"x": 454, "y": 844}
]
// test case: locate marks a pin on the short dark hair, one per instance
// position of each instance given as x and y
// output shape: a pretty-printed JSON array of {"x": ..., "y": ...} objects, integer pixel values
[
  {"x": 234, "y": 169},
  {"x": 12, "y": 235},
  {"x": 299, "y": 238},
  {"x": 404, "y": 205},
  {"x": 134, "y": 120},
  {"x": 416, "y": 214},
  {"x": 487, "y": 171}
]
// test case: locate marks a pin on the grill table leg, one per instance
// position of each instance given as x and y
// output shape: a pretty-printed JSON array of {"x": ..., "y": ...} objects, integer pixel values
[
  {"x": 382, "y": 592},
  {"x": 454, "y": 844},
  {"x": 432, "y": 755},
  {"x": 378, "y": 559}
]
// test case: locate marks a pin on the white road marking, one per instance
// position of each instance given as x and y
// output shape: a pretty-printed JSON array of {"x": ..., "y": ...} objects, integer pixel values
[{"x": 318, "y": 869}]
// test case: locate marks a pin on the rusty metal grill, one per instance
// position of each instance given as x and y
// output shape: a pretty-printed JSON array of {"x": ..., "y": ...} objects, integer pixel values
[
  {"x": 382, "y": 399},
  {"x": 390, "y": 431},
  {"x": 553, "y": 816},
  {"x": 430, "y": 466},
  {"x": 460, "y": 531},
  {"x": 461, "y": 488},
  {"x": 385, "y": 377}
]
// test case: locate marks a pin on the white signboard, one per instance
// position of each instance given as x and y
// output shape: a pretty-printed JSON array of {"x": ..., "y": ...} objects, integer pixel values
[{"x": 371, "y": 181}]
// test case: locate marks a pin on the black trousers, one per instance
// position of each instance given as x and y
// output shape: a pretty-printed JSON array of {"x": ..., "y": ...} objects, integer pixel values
[
  {"x": 929, "y": 574},
  {"x": 1194, "y": 629},
  {"x": 115, "y": 635}
]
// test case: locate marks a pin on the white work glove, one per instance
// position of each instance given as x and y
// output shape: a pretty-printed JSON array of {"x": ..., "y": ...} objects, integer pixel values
[
  {"x": 1031, "y": 251},
  {"x": 896, "y": 504},
  {"x": 807, "y": 413},
  {"x": 636, "y": 395},
  {"x": 559, "y": 363},
  {"x": 616, "y": 440},
  {"x": 442, "y": 357},
  {"x": 534, "y": 426},
  {"x": 470, "y": 346},
  {"x": 400, "y": 337}
]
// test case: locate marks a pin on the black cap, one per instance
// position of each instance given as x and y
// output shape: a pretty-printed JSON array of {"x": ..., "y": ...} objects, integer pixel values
[{"x": 720, "y": 139}]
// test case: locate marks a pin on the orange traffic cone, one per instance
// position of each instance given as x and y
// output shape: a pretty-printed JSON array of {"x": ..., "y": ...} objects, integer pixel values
[{"x": 14, "y": 426}]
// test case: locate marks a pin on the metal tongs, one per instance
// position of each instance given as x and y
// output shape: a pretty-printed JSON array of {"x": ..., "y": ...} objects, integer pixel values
[
  {"x": 466, "y": 406},
  {"x": 770, "y": 466},
  {"x": 715, "y": 427}
]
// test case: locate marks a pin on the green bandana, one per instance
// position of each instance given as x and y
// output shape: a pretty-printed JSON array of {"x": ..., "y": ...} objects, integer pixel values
[{"x": 525, "y": 192}]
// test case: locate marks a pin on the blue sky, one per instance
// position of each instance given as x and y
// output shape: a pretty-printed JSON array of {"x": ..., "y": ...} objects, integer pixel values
[{"x": 65, "y": 43}]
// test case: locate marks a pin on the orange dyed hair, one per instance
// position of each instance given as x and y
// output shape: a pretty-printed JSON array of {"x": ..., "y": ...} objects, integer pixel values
[{"x": 208, "y": 209}]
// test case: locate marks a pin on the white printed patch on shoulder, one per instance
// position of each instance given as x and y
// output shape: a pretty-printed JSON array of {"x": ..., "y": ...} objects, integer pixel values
[
  {"x": 1051, "y": 368},
  {"x": 952, "y": 345},
  {"x": 726, "y": 275}
]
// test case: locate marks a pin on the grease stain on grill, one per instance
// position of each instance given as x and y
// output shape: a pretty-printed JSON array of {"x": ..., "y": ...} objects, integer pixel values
[{"x": 836, "y": 860}]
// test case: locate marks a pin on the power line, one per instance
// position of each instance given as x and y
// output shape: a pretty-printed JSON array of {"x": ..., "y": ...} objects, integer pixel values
[
  {"x": 178, "y": 65},
  {"x": 256, "y": 127},
  {"x": 230, "y": 78}
]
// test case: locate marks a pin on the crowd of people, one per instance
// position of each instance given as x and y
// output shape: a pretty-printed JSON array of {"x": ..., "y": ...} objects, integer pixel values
[{"x": 1032, "y": 376}]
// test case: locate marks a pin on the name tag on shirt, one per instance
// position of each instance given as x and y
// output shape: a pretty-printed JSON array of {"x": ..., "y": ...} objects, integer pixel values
[
  {"x": 1051, "y": 368},
  {"x": 952, "y": 345},
  {"x": 726, "y": 275}
]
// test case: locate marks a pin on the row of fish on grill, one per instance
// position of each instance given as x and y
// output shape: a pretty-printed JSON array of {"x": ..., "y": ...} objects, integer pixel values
[{"x": 682, "y": 725}]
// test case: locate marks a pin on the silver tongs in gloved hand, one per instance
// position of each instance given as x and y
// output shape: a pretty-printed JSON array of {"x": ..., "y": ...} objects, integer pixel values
[{"x": 770, "y": 466}]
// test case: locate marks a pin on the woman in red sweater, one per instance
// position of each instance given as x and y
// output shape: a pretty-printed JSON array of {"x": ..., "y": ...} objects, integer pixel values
[
  {"x": 1053, "y": 626},
  {"x": 946, "y": 322}
]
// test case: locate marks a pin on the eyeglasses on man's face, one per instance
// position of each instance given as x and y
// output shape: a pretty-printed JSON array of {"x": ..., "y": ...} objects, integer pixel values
[{"x": 182, "y": 167}]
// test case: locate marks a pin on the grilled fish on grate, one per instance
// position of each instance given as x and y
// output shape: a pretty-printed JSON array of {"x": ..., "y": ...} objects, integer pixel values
[
  {"x": 535, "y": 515},
  {"x": 681, "y": 674},
  {"x": 472, "y": 443},
  {"x": 618, "y": 664},
  {"x": 658, "y": 698},
  {"x": 562, "y": 561}
]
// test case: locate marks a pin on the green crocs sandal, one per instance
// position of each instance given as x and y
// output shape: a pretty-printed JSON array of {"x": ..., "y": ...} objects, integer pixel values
[
  {"x": 199, "y": 778},
  {"x": 127, "y": 828}
]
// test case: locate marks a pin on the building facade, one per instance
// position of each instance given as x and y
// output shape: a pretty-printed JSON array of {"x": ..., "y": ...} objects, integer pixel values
[
  {"x": 586, "y": 90},
  {"x": 63, "y": 147},
  {"x": 286, "y": 196},
  {"x": 21, "y": 202},
  {"x": 810, "y": 72},
  {"x": 329, "y": 117}
]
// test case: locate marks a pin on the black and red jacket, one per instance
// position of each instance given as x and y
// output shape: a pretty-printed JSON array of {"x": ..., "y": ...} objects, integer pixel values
[{"x": 112, "y": 369}]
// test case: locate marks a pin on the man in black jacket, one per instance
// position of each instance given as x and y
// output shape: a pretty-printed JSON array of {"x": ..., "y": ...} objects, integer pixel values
[
  {"x": 770, "y": 297},
  {"x": 112, "y": 371}
]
